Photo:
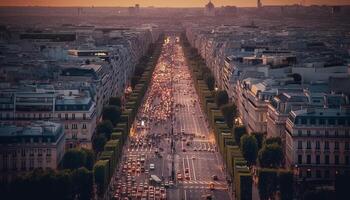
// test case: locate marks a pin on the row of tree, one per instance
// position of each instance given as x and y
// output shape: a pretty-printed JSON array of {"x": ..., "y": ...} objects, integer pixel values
[
  {"x": 221, "y": 113},
  {"x": 46, "y": 184},
  {"x": 114, "y": 130}
]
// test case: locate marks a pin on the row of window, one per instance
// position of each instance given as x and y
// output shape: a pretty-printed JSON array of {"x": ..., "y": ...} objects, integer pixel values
[
  {"x": 66, "y": 116},
  {"x": 24, "y": 164},
  {"x": 332, "y": 121},
  {"x": 326, "y": 160},
  {"x": 25, "y": 152},
  {"x": 74, "y": 126},
  {"x": 327, "y": 133},
  {"x": 326, "y": 145}
]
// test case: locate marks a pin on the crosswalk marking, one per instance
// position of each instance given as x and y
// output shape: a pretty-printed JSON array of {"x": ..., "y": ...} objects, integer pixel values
[{"x": 203, "y": 182}]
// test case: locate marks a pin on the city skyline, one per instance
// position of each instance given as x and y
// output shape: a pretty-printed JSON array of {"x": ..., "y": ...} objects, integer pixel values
[{"x": 160, "y": 3}]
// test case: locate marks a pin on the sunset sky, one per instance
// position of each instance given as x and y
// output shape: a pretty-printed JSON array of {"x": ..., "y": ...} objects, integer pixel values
[{"x": 161, "y": 3}]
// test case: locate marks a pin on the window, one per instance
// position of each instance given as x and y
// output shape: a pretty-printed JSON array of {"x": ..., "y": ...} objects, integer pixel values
[
  {"x": 300, "y": 132},
  {"x": 84, "y": 126},
  {"x": 347, "y": 146},
  {"x": 331, "y": 122},
  {"x": 23, "y": 164},
  {"x": 336, "y": 159},
  {"x": 66, "y": 126},
  {"x": 322, "y": 121},
  {"x": 312, "y": 121},
  {"x": 336, "y": 145},
  {"x": 23, "y": 152},
  {"x": 308, "y": 132},
  {"x": 317, "y": 144},
  {"x": 347, "y": 161},
  {"x": 318, "y": 159},
  {"x": 40, "y": 152},
  {"x": 31, "y": 163},
  {"x": 84, "y": 116},
  {"x": 300, "y": 144},
  {"x": 318, "y": 174},
  {"x": 31, "y": 152},
  {"x": 326, "y": 133},
  {"x": 326, "y": 145},
  {"x": 308, "y": 159},
  {"x": 73, "y": 116},
  {"x": 308, "y": 144},
  {"x": 326, "y": 159},
  {"x": 48, "y": 152},
  {"x": 66, "y": 116},
  {"x": 74, "y": 126},
  {"x": 303, "y": 121},
  {"x": 300, "y": 159},
  {"x": 59, "y": 115}
]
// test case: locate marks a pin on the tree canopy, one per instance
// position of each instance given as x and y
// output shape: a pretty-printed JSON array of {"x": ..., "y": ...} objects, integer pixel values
[
  {"x": 105, "y": 127},
  {"x": 111, "y": 113},
  {"x": 249, "y": 148},
  {"x": 229, "y": 112},
  {"x": 221, "y": 98},
  {"x": 271, "y": 155}
]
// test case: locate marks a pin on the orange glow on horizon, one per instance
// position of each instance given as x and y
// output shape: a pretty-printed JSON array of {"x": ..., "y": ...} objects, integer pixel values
[{"x": 162, "y": 3}]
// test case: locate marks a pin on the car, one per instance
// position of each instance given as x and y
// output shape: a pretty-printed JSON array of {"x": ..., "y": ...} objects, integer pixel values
[
  {"x": 193, "y": 157},
  {"x": 151, "y": 166},
  {"x": 184, "y": 150},
  {"x": 215, "y": 177},
  {"x": 194, "y": 149}
]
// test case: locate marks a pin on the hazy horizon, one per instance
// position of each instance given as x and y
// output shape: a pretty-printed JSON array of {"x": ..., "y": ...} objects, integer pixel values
[{"x": 163, "y": 4}]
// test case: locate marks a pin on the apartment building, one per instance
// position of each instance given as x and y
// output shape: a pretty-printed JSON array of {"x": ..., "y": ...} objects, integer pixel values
[
  {"x": 36, "y": 144},
  {"x": 317, "y": 142}
]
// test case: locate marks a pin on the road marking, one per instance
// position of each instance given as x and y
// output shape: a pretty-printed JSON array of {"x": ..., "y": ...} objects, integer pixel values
[
  {"x": 188, "y": 164},
  {"x": 194, "y": 172}
]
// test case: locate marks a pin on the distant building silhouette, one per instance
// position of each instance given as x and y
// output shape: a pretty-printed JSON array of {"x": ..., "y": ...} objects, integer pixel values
[
  {"x": 209, "y": 9},
  {"x": 259, "y": 5}
]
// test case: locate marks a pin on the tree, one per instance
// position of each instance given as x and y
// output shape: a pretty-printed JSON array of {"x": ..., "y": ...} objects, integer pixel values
[
  {"x": 99, "y": 142},
  {"x": 82, "y": 182},
  {"x": 221, "y": 98},
  {"x": 90, "y": 158},
  {"x": 273, "y": 140},
  {"x": 259, "y": 138},
  {"x": 115, "y": 101},
  {"x": 106, "y": 128},
  {"x": 249, "y": 148},
  {"x": 267, "y": 183},
  {"x": 111, "y": 113},
  {"x": 229, "y": 112},
  {"x": 134, "y": 80},
  {"x": 271, "y": 155},
  {"x": 238, "y": 132},
  {"x": 73, "y": 159},
  {"x": 139, "y": 69},
  {"x": 209, "y": 79},
  {"x": 286, "y": 185}
]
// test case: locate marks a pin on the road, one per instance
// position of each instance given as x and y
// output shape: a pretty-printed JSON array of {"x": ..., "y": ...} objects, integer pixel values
[{"x": 171, "y": 133}]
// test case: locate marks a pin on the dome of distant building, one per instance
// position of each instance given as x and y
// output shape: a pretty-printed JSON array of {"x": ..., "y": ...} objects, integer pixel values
[
  {"x": 209, "y": 9},
  {"x": 210, "y": 6}
]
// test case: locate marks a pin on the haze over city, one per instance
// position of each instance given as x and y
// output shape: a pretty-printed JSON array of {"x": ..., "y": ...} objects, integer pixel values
[{"x": 163, "y": 3}]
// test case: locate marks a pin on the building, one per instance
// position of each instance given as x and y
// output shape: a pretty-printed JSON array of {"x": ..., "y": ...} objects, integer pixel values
[
  {"x": 36, "y": 144},
  {"x": 209, "y": 9},
  {"x": 318, "y": 142},
  {"x": 74, "y": 109}
]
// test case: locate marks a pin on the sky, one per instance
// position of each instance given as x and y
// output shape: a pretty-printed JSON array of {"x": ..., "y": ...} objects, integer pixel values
[{"x": 163, "y": 3}]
